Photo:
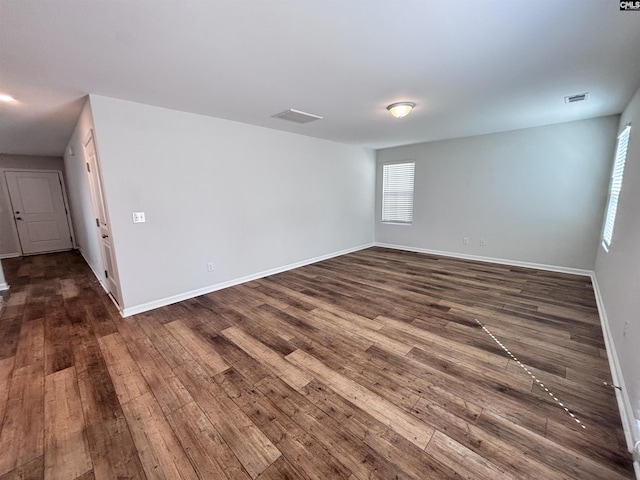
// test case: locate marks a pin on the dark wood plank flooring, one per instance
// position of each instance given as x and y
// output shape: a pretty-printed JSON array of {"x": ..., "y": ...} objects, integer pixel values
[{"x": 369, "y": 365}]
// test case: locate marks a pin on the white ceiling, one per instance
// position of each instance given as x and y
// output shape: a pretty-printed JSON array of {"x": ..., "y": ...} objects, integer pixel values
[{"x": 472, "y": 66}]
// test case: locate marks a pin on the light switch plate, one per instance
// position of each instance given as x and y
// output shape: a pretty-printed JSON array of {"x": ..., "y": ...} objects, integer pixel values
[{"x": 138, "y": 217}]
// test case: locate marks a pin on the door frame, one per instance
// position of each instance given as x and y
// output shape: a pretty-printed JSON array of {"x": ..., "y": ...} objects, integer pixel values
[
  {"x": 63, "y": 187},
  {"x": 96, "y": 188}
]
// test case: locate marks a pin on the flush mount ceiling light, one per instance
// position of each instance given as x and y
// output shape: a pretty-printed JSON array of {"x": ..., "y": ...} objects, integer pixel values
[
  {"x": 6, "y": 98},
  {"x": 401, "y": 109}
]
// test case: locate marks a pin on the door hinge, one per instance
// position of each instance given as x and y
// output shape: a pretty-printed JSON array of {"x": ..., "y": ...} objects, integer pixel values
[
  {"x": 97, "y": 222},
  {"x": 106, "y": 274},
  {"x": 88, "y": 168}
]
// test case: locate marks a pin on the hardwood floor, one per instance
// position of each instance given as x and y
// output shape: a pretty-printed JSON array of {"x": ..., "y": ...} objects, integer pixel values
[{"x": 369, "y": 365}]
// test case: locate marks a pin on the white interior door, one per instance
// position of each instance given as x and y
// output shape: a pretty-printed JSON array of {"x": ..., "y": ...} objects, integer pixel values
[
  {"x": 39, "y": 211},
  {"x": 102, "y": 220}
]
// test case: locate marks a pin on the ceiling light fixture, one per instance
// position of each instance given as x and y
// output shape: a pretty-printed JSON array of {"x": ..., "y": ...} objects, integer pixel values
[
  {"x": 401, "y": 109},
  {"x": 6, "y": 98}
]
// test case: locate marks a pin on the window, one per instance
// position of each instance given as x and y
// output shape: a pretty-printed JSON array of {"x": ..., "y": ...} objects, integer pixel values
[
  {"x": 397, "y": 192},
  {"x": 616, "y": 187}
]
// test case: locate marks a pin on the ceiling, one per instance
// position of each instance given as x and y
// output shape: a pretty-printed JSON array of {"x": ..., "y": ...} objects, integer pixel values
[{"x": 471, "y": 66}]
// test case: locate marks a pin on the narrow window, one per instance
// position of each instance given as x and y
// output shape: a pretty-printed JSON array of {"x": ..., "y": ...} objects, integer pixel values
[
  {"x": 397, "y": 192},
  {"x": 615, "y": 187}
]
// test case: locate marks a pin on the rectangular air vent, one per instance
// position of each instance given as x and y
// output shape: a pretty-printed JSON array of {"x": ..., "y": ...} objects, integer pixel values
[
  {"x": 297, "y": 116},
  {"x": 579, "y": 97}
]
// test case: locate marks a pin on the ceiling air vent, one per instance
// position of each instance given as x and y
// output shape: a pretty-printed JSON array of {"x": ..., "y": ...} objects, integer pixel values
[
  {"x": 297, "y": 116},
  {"x": 579, "y": 97}
]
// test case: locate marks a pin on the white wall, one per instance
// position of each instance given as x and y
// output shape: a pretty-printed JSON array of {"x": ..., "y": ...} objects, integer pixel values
[
  {"x": 534, "y": 195},
  {"x": 79, "y": 192},
  {"x": 9, "y": 242},
  {"x": 618, "y": 272},
  {"x": 247, "y": 198},
  {"x": 3, "y": 281}
]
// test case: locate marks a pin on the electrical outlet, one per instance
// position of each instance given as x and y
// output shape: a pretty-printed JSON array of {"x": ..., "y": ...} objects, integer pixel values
[
  {"x": 482, "y": 242},
  {"x": 210, "y": 267},
  {"x": 465, "y": 240},
  {"x": 626, "y": 327}
]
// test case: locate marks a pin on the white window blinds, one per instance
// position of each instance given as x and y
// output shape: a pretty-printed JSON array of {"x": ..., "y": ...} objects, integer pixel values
[
  {"x": 397, "y": 192},
  {"x": 615, "y": 187}
]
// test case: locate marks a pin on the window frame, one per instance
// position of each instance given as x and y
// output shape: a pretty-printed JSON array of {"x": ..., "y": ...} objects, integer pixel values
[
  {"x": 615, "y": 186},
  {"x": 389, "y": 214}
]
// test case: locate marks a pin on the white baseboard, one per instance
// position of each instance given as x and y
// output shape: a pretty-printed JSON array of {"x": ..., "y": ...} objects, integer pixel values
[
  {"x": 500, "y": 261},
  {"x": 631, "y": 430},
  {"x": 100, "y": 281},
  {"x": 95, "y": 274},
  {"x": 9, "y": 255},
  {"x": 237, "y": 281},
  {"x": 4, "y": 286}
]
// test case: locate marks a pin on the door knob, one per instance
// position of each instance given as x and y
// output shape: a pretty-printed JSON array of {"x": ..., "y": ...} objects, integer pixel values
[
  {"x": 105, "y": 236},
  {"x": 18, "y": 218}
]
